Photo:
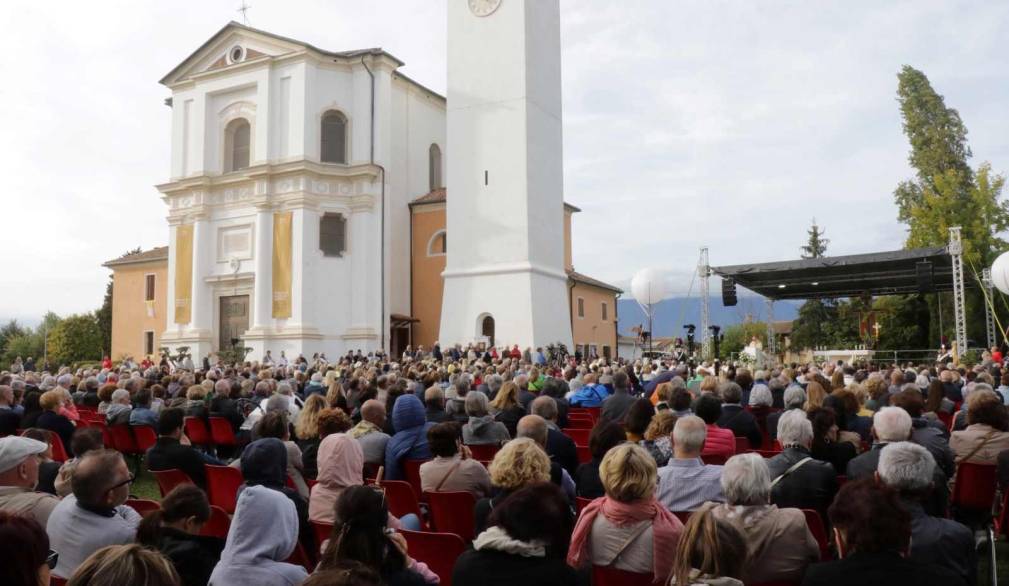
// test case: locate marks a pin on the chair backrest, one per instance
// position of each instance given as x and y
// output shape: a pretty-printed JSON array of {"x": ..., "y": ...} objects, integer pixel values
[
  {"x": 322, "y": 531},
  {"x": 975, "y": 486},
  {"x": 453, "y": 512},
  {"x": 59, "y": 451},
  {"x": 815, "y": 524},
  {"x": 143, "y": 506},
  {"x": 605, "y": 576},
  {"x": 222, "y": 486},
  {"x": 411, "y": 471},
  {"x": 578, "y": 435},
  {"x": 145, "y": 436},
  {"x": 401, "y": 498},
  {"x": 122, "y": 439},
  {"x": 169, "y": 479},
  {"x": 438, "y": 550},
  {"x": 580, "y": 423},
  {"x": 484, "y": 451},
  {"x": 196, "y": 431},
  {"x": 742, "y": 445},
  {"x": 584, "y": 453},
  {"x": 581, "y": 502},
  {"x": 221, "y": 432},
  {"x": 218, "y": 524}
]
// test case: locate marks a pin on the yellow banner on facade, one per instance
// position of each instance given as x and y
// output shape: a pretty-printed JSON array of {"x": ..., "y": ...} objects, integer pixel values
[
  {"x": 183, "y": 273},
  {"x": 282, "y": 264}
]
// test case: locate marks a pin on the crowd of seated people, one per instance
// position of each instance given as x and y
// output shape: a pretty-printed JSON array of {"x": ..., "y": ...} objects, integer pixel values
[{"x": 713, "y": 475}]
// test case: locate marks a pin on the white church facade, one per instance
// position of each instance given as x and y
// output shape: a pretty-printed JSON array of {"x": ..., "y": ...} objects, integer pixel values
[{"x": 307, "y": 187}]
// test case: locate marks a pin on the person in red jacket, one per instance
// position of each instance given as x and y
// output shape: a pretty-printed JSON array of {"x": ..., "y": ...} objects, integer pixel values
[{"x": 720, "y": 442}]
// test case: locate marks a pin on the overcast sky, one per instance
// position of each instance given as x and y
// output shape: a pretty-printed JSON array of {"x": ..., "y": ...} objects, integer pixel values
[{"x": 727, "y": 124}]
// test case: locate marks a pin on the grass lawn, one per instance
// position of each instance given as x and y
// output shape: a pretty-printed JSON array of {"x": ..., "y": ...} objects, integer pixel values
[{"x": 145, "y": 487}]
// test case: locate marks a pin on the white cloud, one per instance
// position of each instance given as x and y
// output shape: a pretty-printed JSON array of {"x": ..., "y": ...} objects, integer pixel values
[{"x": 722, "y": 123}]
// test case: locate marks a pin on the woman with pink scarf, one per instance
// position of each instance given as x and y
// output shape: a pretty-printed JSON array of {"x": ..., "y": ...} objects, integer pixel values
[{"x": 627, "y": 529}]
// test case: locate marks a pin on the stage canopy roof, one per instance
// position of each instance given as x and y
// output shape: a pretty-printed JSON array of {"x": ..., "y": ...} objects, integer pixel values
[{"x": 876, "y": 274}]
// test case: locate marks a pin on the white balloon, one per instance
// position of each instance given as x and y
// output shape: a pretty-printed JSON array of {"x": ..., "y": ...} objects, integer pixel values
[
  {"x": 649, "y": 286},
  {"x": 1000, "y": 273}
]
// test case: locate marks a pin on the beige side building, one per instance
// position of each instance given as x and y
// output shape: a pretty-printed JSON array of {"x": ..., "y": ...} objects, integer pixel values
[
  {"x": 592, "y": 304},
  {"x": 139, "y": 302}
]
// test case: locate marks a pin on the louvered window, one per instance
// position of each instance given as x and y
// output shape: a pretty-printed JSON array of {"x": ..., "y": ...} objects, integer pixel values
[{"x": 332, "y": 234}]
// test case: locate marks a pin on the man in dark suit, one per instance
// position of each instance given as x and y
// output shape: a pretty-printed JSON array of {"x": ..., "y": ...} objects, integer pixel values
[
  {"x": 735, "y": 417},
  {"x": 560, "y": 447},
  {"x": 169, "y": 452}
]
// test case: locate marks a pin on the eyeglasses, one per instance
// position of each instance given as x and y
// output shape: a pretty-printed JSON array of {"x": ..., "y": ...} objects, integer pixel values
[
  {"x": 52, "y": 559},
  {"x": 129, "y": 480}
]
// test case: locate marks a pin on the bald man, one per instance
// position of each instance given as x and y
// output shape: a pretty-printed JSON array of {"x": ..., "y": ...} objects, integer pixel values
[
  {"x": 369, "y": 432},
  {"x": 535, "y": 428}
]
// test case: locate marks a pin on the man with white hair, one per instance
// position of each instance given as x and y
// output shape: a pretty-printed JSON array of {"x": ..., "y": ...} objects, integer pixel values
[
  {"x": 118, "y": 411},
  {"x": 798, "y": 480},
  {"x": 910, "y": 469},
  {"x": 686, "y": 482}
]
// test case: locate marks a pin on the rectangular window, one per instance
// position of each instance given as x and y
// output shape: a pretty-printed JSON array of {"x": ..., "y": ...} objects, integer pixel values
[
  {"x": 606, "y": 312},
  {"x": 149, "y": 287},
  {"x": 332, "y": 234},
  {"x": 148, "y": 342},
  {"x": 592, "y": 351},
  {"x": 581, "y": 307}
]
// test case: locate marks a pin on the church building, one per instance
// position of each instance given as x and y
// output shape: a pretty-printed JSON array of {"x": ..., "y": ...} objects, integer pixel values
[{"x": 306, "y": 211}]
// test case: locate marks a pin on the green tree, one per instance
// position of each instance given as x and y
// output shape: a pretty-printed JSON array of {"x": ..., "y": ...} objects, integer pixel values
[
  {"x": 812, "y": 327},
  {"x": 737, "y": 336},
  {"x": 817, "y": 244},
  {"x": 26, "y": 345},
  {"x": 8, "y": 331},
  {"x": 104, "y": 317},
  {"x": 75, "y": 338},
  {"x": 947, "y": 192}
]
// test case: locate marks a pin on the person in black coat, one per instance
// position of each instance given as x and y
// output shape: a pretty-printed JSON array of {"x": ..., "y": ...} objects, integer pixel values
[
  {"x": 604, "y": 436},
  {"x": 826, "y": 446},
  {"x": 806, "y": 483},
  {"x": 735, "y": 417},
  {"x": 174, "y": 530},
  {"x": 510, "y": 550},
  {"x": 9, "y": 419},
  {"x": 169, "y": 453},
  {"x": 560, "y": 447},
  {"x": 50, "y": 418},
  {"x": 873, "y": 537}
]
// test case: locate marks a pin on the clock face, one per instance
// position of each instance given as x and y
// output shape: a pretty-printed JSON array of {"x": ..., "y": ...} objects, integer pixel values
[{"x": 483, "y": 7}]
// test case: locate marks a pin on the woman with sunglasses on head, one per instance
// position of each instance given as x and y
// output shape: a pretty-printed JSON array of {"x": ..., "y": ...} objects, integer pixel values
[
  {"x": 26, "y": 548},
  {"x": 361, "y": 534}
]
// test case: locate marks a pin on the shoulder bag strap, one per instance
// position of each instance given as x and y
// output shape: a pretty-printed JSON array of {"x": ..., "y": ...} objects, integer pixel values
[
  {"x": 791, "y": 469},
  {"x": 447, "y": 475},
  {"x": 984, "y": 441}
]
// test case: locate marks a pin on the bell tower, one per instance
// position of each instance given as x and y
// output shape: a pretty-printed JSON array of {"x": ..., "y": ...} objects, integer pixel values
[{"x": 505, "y": 200}]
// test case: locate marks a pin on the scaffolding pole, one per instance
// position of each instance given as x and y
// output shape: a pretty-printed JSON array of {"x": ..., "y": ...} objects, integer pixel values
[
  {"x": 989, "y": 315},
  {"x": 772, "y": 345},
  {"x": 703, "y": 270},
  {"x": 959, "y": 312}
]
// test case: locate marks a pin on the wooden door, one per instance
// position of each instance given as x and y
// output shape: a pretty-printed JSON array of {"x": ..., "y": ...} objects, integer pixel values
[{"x": 234, "y": 319}]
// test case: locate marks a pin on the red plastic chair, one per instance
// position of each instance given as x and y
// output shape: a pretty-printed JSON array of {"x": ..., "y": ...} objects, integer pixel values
[
  {"x": 59, "y": 452},
  {"x": 604, "y": 576},
  {"x": 438, "y": 550},
  {"x": 974, "y": 488},
  {"x": 593, "y": 412},
  {"x": 580, "y": 423},
  {"x": 222, "y": 486},
  {"x": 411, "y": 472},
  {"x": 815, "y": 524},
  {"x": 196, "y": 431},
  {"x": 400, "y": 498},
  {"x": 483, "y": 451},
  {"x": 453, "y": 512},
  {"x": 581, "y": 502},
  {"x": 221, "y": 432},
  {"x": 218, "y": 524},
  {"x": 578, "y": 435},
  {"x": 145, "y": 437},
  {"x": 322, "y": 531},
  {"x": 169, "y": 479},
  {"x": 143, "y": 506},
  {"x": 945, "y": 418},
  {"x": 742, "y": 445},
  {"x": 584, "y": 454},
  {"x": 122, "y": 439}
]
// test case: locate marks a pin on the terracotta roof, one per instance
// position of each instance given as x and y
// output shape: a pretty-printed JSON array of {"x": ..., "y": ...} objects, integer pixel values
[
  {"x": 586, "y": 280},
  {"x": 439, "y": 195},
  {"x": 154, "y": 254}
]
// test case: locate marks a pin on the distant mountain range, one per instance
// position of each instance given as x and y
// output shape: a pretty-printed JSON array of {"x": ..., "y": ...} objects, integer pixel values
[{"x": 673, "y": 313}]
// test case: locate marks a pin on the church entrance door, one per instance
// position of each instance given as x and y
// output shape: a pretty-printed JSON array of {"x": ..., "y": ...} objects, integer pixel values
[
  {"x": 487, "y": 329},
  {"x": 234, "y": 319}
]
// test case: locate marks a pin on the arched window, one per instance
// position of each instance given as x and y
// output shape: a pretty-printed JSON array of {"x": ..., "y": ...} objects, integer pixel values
[
  {"x": 434, "y": 167},
  {"x": 438, "y": 245},
  {"x": 334, "y": 138},
  {"x": 487, "y": 328},
  {"x": 236, "y": 145}
]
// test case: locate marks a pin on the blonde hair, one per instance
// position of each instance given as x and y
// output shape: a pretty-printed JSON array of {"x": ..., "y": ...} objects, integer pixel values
[
  {"x": 861, "y": 395},
  {"x": 507, "y": 397},
  {"x": 837, "y": 380},
  {"x": 114, "y": 565},
  {"x": 334, "y": 392},
  {"x": 196, "y": 393},
  {"x": 50, "y": 399},
  {"x": 307, "y": 426},
  {"x": 815, "y": 394},
  {"x": 661, "y": 426},
  {"x": 628, "y": 473},
  {"x": 664, "y": 392},
  {"x": 710, "y": 546},
  {"x": 520, "y": 462},
  {"x": 709, "y": 384}
]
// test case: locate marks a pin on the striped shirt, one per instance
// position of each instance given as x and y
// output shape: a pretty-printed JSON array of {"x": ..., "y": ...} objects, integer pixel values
[{"x": 685, "y": 485}]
